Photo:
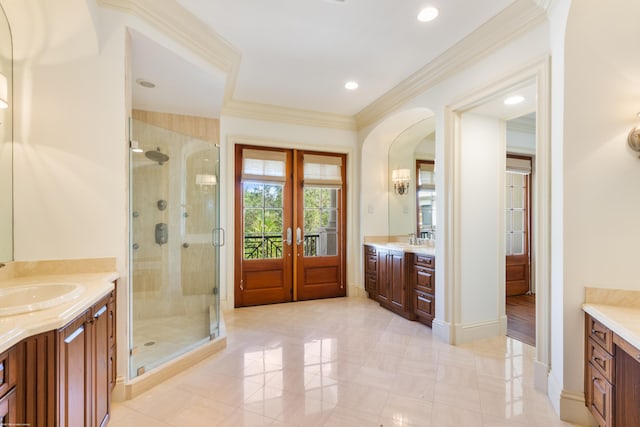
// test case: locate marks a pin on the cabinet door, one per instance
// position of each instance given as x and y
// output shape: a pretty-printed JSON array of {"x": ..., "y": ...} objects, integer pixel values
[
  {"x": 8, "y": 409},
  {"x": 101, "y": 390},
  {"x": 74, "y": 381},
  {"x": 599, "y": 397},
  {"x": 397, "y": 282},
  {"x": 383, "y": 277}
]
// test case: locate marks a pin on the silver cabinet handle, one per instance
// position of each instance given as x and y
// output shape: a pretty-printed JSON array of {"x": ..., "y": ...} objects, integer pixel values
[
  {"x": 298, "y": 236},
  {"x": 100, "y": 312},
  {"x": 74, "y": 335}
]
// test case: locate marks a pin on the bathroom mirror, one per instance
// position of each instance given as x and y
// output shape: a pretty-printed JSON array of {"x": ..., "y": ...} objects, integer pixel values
[
  {"x": 415, "y": 143},
  {"x": 6, "y": 140}
]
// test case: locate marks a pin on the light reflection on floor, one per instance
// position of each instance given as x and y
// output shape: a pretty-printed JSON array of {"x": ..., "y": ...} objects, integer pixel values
[{"x": 345, "y": 362}]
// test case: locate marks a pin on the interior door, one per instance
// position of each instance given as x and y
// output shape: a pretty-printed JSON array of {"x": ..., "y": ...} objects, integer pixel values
[
  {"x": 517, "y": 219},
  {"x": 264, "y": 236},
  {"x": 290, "y": 210},
  {"x": 320, "y": 225}
]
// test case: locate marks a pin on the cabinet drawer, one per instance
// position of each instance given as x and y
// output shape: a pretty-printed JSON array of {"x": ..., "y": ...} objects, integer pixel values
[
  {"x": 8, "y": 415},
  {"x": 370, "y": 250},
  {"x": 371, "y": 263},
  {"x": 426, "y": 261},
  {"x": 424, "y": 305},
  {"x": 600, "y": 359},
  {"x": 600, "y": 334},
  {"x": 8, "y": 370},
  {"x": 424, "y": 279},
  {"x": 600, "y": 395}
]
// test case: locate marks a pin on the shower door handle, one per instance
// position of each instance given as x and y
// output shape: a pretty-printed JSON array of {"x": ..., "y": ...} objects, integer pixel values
[{"x": 217, "y": 237}]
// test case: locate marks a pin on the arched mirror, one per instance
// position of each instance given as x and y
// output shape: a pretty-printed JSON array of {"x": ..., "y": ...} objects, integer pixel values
[
  {"x": 411, "y": 209},
  {"x": 6, "y": 140}
]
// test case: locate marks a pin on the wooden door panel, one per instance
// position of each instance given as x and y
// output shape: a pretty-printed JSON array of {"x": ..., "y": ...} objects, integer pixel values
[
  {"x": 320, "y": 274},
  {"x": 320, "y": 282},
  {"x": 517, "y": 275},
  {"x": 396, "y": 277},
  {"x": 265, "y": 278}
]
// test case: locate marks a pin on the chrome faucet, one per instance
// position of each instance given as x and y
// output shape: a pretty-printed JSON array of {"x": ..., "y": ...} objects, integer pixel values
[{"x": 412, "y": 239}]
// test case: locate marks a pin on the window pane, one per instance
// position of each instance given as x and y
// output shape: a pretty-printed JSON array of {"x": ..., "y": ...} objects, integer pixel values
[
  {"x": 518, "y": 179},
  {"x": 518, "y": 220},
  {"x": 273, "y": 196},
  {"x": 253, "y": 221},
  {"x": 509, "y": 179},
  {"x": 518, "y": 243},
  {"x": 508, "y": 244},
  {"x": 508, "y": 197},
  {"x": 518, "y": 198},
  {"x": 273, "y": 221},
  {"x": 507, "y": 221},
  {"x": 253, "y": 195},
  {"x": 320, "y": 221},
  {"x": 312, "y": 197}
]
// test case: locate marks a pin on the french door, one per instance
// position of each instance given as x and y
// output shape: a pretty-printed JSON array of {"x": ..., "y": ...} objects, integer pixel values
[
  {"x": 290, "y": 225},
  {"x": 518, "y": 224}
]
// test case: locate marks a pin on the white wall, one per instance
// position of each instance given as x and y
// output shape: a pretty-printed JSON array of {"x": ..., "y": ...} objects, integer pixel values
[
  {"x": 69, "y": 129},
  {"x": 482, "y": 165},
  {"x": 235, "y": 130},
  {"x": 521, "y": 53},
  {"x": 601, "y": 198},
  {"x": 521, "y": 142}
]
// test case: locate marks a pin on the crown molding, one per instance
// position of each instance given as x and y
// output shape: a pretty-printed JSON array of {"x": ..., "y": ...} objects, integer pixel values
[
  {"x": 513, "y": 21},
  {"x": 545, "y": 4},
  {"x": 526, "y": 124},
  {"x": 274, "y": 113},
  {"x": 183, "y": 27}
]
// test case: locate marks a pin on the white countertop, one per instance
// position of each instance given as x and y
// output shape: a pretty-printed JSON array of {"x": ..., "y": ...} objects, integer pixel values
[
  {"x": 14, "y": 329},
  {"x": 405, "y": 247}
]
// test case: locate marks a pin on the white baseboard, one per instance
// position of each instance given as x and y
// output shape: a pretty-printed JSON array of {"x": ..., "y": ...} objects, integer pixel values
[
  {"x": 468, "y": 332},
  {"x": 442, "y": 330},
  {"x": 570, "y": 406},
  {"x": 356, "y": 291},
  {"x": 540, "y": 376}
]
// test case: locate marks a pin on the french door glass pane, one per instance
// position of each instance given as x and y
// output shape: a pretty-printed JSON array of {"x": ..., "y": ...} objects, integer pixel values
[
  {"x": 263, "y": 220},
  {"x": 321, "y": 221}
]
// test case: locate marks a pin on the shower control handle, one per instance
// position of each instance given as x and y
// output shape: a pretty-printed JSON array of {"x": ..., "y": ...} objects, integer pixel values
[{"x": 289, "y": 239}]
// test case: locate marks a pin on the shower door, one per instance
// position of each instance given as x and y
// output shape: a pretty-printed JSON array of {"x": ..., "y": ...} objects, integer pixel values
[{"x": 175, "y": 239}]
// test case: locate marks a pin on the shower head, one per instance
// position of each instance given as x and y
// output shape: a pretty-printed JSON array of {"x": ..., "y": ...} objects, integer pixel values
[{"x": 157, "y": 156}]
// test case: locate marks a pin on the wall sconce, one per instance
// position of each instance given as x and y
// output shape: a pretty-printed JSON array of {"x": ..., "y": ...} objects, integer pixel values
[
  {"x": 400, "y": 179},
  {"x": 634, "y": 137},
  {"x": 4, "y": 99}
]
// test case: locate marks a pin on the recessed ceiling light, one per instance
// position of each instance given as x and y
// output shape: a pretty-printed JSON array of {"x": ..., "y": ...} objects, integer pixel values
[
  {"x": 513, "y": 100},
  {"x": 428, "y": 14},
  {"x": 145, "y": 83},
  {"x": 351, "y": 85}
]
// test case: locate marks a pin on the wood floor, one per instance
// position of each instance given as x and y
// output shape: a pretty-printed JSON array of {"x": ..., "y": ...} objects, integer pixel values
[{"x": 521, "y": 318}]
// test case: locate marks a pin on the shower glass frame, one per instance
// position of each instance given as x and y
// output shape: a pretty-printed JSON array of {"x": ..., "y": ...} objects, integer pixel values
[{"x": 174, "y": 266}]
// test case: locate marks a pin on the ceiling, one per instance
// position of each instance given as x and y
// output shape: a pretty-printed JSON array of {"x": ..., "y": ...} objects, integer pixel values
[{"x": 298, "y": 54}]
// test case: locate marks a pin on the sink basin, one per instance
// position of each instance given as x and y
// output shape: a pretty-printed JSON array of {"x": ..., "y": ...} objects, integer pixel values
[{"x": 27, "y": 298}]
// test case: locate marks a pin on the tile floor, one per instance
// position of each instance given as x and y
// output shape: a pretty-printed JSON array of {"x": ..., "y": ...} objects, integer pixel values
[{"x": 345, "y": 362}]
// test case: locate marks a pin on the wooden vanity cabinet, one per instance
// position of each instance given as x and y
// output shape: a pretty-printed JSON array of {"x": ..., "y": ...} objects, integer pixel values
[
  {"x": 370, "y": 270},
  {"x": 385, "y": 278},
  {"x": 84, "y": 377},
  {"x": 422, "y": 278},
  {"x": 66, "y": 376},
  {"x": 612, "y": 377},
  {"x": 8, "y": 381}
]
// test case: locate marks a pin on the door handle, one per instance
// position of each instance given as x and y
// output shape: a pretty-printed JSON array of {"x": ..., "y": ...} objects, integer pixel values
[
  {"x": 298, "y": 236},
  {"x": 217, "y": 237},
  {"x": 289, "y": 236}
]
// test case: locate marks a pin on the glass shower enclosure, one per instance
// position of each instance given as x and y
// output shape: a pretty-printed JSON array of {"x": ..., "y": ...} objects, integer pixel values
[{"x": 174, "y": 245}]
